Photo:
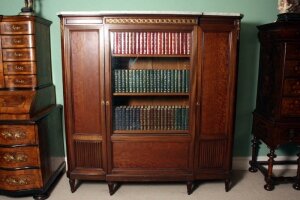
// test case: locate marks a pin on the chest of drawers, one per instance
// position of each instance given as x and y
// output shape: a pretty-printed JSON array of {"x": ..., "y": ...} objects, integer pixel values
[
  {"x": 25, "y": 52},
  {"x": 31, "y": 141},
  {"x": 25, "y": 67},
  {"x": 276, "y": 118},
  {"x": 29, "y": 159}
]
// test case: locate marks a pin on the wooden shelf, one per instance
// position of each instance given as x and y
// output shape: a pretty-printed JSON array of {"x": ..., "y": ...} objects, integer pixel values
[
  {"x": 165, "y": 132},
  {"x": 150, "y": 94},
  {"x": 151, "y": 55}
]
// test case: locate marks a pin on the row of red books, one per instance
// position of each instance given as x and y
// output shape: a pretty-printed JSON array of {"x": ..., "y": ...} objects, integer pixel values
[{"x": 151, "y": 43}]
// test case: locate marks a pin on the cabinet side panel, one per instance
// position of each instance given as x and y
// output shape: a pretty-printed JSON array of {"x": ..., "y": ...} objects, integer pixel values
[
  {"x": 215, "y": 82},
  {"x": 85, "y": 76}
]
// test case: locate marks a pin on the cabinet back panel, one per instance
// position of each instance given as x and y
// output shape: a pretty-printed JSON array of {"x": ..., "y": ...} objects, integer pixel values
[{"x": 85, "y": 54}]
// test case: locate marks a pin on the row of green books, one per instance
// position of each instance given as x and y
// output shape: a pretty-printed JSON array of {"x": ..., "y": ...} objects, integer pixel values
[
  {"x": 151, "y": 81},
  {"x": 151, "y": 117}
]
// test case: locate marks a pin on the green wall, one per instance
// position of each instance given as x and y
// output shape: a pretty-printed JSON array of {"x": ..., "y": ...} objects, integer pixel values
[{"x": 255, "y": 12}]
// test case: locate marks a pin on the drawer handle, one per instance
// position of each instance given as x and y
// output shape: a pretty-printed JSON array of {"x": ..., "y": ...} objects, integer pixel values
[
  {"x": 19, "y": 81},
  {"x": 18, "y": 54},
  {"x": 19, "y": 67},
  {"x": 19, "y": 157},
  {"x": 15, "y": 27},
  {"x": 16, "y": 181},
  {"x": 13, "y": 135},
  {"x": 17, "y": 41}
]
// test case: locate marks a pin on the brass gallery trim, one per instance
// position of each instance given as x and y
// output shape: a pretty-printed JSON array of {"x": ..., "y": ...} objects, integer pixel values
[{"x": 150, "y": 21}]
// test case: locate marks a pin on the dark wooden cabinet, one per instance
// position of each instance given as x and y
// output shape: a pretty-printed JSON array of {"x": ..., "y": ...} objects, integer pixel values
[
  {"x": 149, "y": 97},
  {"x": 31, "y": 154},
  {"x": 31, "y": 133},
  {"x": 276, "y": 119}
]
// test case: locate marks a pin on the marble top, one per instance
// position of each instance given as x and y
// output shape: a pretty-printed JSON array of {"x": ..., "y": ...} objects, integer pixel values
[{"x": 96, "y": 13}]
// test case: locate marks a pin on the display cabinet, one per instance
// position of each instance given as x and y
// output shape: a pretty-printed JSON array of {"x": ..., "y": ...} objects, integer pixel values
[
  {"x": 276, "y": 119},
  {"x": 149, "y": 97}
]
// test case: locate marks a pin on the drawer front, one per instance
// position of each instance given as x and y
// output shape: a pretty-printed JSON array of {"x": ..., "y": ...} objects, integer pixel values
[
  {"x": 20, "y": 179},
  {"x": 291, "y": 87},
  {"x": 293, "y": 51},
  {"x": 289, "y": 134},
  {"x": 20, "y": 81},
  {"x": 19, "y": 157},
  {"x": 16, "y": 101},
  {"x": 290, "y": 107},
  {"x": 25, "y": 27},
  {"x": 14, "y": 134},
  {"x": 19, "y": 41},
  {"x": 18, "y": 54},
  {"x": 292, "y": 68},
  {"x": 11, "y": 68}
]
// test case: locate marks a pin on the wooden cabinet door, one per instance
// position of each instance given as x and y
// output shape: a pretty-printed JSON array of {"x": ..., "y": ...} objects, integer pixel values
[
  {"x": 156, "y": 150},
  {"x": 216, "y": 89},
  {"x": 83, "y": 53}
]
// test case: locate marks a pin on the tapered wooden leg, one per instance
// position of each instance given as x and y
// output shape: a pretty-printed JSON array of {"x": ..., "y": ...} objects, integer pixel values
[
  {"x": 269, "y": 182},
  {"x": 113, "y": 187},
  {"x": 189, "y": 186},
  {"x": 253, "y": 161},
  {"x": 72, "y": 183},
  {"x": 40, "y": 196},
  {"x": 227, "y": 184},
  {"x": 296, "y": 185}
]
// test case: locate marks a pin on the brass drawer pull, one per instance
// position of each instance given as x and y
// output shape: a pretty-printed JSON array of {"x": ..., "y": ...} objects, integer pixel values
[
  {"x": 17, "y": 41},
  {"x": 18, "y": 54},
  {"x": 13, "y": 135},
  {"x": 18, "y": 157},
  {"x": 20, "y": 68},
  {"x": 19, "y": 81},
  {"x": 15, "y": 27},
  {"x": 16, "y": 181}
]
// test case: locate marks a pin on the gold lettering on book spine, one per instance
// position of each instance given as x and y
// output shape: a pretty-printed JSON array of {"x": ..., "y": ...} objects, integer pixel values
[{"x": 191, "y": 21}]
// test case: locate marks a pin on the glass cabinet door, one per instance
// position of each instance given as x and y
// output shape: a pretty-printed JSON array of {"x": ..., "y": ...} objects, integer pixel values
[{"x": 150, "y": 80}]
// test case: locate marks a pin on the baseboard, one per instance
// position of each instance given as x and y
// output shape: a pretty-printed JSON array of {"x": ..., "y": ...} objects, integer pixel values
[{"x": 242, "y": 163}]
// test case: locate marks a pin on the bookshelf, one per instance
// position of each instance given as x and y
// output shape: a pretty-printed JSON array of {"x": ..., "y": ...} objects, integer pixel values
[{"x": 149, "y": 97}]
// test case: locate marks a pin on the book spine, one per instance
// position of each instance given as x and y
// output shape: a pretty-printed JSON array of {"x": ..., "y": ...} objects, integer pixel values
[
  {"x": 184, "y": 45},
  {"x": 188, "y": 43},
  {"x": 155, "y": 43},
  {"x": 137, "y": 43},
  {"x": 141, "y": 36},
  {"x": 130, "y": 81},
  {"x": 148, "y": 39},
  {"x": 144, "y": 43}
]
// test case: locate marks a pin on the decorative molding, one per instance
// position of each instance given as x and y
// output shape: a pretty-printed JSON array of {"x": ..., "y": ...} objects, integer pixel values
[{"x": 123, "y": 20}]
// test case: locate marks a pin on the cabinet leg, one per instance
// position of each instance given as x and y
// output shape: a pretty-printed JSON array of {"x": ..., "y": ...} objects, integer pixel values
[
  {"x": 253, "y": 161},
  {"x": 40, "y": 196},
  {"x": 189, "y": 186},
  {"x": 297, "y": 183},
  {"x": 227, "y": 184},
  {"x": 72, "y": 183},
  {"x": 113, "y": 187},
  {"x": 268, "y": 178}
]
